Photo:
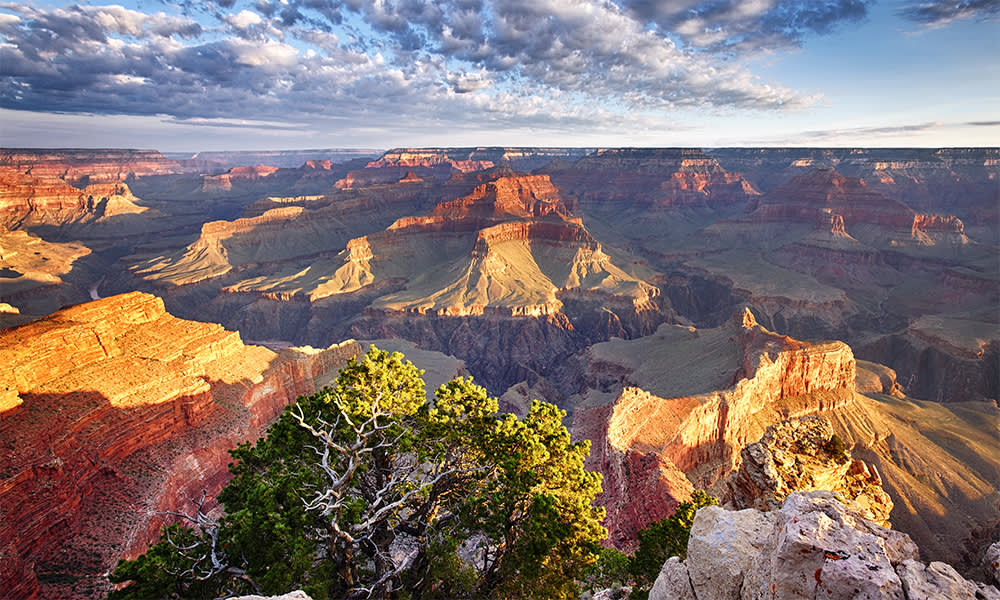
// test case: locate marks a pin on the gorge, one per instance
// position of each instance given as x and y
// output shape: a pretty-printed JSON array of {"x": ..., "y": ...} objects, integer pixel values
[{"x": 675, "y": 302}]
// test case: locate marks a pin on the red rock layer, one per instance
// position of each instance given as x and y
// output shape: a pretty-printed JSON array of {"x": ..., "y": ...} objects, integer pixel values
[
  {"x": 27, "y": 199},
  {"x": 658, "y": 177},
  {"x": 522, "y": 196},
  {"x": 88, "y": 166},
  {"x": 804, "y": 197},
  {"x": 651, "y": 449},
  {"x": 125, "y": 412}
]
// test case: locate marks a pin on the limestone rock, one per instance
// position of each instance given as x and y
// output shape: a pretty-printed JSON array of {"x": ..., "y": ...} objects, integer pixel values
[
  {"x": 721, "y": 546},
  {"x": 813, "y": 547},
  {"x": 936, "y": 581},
  {"x": 819, "y": 549},
  {"x": 991, "y": 563},
  {"x": 673, "y": 583}
]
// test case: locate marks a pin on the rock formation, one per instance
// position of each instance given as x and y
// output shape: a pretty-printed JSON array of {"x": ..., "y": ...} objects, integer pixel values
[
  {"x": 951, "y": 180},
  {"x": 114, "y": 411},
  {"x": 296, "y": 595},
  {"x": 856, "y": 209},
  {"x": 27, "y": 200},
  {"x": 37, "y": 276},
  {"x": 653, "y": 178},
  {"x": 991, "y": 563},
  {"x": 475, "y": 159},
  {"x": 695, "y": 436},
  {"x": 285, "y": 159},
  {"x": 509, "y": 253},
  {"x": 813, "y": 547},
  {"x": 803, "y": 455},
  {"x": 658, "y": 433}
]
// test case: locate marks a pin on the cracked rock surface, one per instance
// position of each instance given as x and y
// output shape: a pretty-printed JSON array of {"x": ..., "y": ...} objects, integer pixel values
[{"x": 813, "y": 547}]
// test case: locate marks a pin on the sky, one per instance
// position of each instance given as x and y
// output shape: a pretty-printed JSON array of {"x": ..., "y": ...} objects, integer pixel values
[{"x": 190, "y": 75}]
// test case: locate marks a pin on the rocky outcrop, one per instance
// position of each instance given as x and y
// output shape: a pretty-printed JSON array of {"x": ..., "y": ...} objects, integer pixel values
[
  {"x": 813, "y": 547},
  {"x": 27, "y": 200},
  {"x": 116, "y": 411},
  {"x": 800, "y": 456},
  {"x": 824, "y": 191},
  {"x": 36, "y": 276}
]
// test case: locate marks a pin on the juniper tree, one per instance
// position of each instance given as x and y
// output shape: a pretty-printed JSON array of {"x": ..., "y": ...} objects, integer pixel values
[{"x": 365, "y": 490}]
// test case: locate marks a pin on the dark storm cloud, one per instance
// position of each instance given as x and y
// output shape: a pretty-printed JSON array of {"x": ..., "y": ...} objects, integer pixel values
[{"x": 936, "y": 14}]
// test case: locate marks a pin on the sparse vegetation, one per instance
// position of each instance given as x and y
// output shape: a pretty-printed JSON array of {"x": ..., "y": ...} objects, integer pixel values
[{"x": 836, "y": 448}]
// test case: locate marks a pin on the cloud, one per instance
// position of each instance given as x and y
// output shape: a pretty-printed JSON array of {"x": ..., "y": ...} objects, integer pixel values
[
  {"x": 551, "y": 63},
  {"x": 870, "y": 132},
  {"x": 233, "y": 124},
  {"x": 738, "y": 26},
  {"x": 940, "y": 13},
  {"x": 984, "y": 123}
]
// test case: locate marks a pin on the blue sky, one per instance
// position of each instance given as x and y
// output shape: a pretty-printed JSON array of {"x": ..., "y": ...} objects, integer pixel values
[{"x": 266, "y": 74}]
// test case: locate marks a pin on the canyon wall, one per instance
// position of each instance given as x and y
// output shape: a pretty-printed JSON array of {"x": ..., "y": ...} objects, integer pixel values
[
  {"x": 658, "y": 433},
  {"x": 113, "y": 412}
]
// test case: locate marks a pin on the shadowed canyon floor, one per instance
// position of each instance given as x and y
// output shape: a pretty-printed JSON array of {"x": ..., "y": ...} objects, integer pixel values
[{"x": 612, "y": 282}]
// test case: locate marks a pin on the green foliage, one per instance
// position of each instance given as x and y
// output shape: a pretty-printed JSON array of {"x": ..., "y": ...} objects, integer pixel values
[
  {"x": 612, "y": 568},
  {"x": 662, "y": 539},
  {"x": 836, "y": 448},
  {"x": 353, "y": 472}
]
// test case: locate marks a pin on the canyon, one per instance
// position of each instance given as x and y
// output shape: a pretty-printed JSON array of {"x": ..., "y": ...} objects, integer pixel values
[{"x": 677, "y": 303}]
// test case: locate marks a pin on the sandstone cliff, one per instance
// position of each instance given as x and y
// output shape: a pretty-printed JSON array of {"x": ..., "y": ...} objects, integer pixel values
[
  {"x": 27, "y": 200},
  {"x": 814, "y": 547},
  {"x": 113, "y": 411},
  {"x": 697, "y": 436}
]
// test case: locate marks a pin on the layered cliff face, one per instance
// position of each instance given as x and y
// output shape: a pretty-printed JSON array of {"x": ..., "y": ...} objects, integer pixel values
[
  {"x": 475, "y": 159},
  {"x": 85, "y": 166},
  {"x": 114, "y": 411},
  {"x": 27, "y": 200},
  {"x": 285, "y": 159},
  {"x": 724, "y": 387},
  {"x": 657, "y": 434},
  {"x": 506, "y": 250},
  {"x": 616, "y": 179},
  {"x": 960, "y": 181},
  {"x": 853, "y": 208}
]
